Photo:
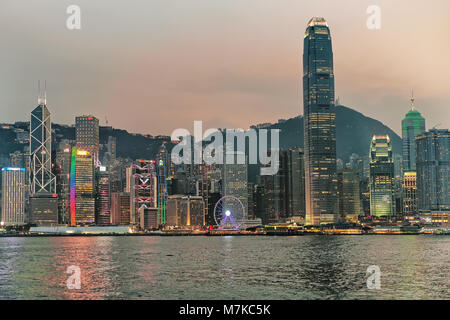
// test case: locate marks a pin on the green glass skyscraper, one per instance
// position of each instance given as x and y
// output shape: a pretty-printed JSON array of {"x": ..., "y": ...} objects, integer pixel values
[
  {"x": 412, "y": 125},
  {"x": 320, "y": 124}
]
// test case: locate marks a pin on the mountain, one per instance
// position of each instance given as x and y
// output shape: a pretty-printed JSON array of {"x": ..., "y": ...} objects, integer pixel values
[
  {"x": 354, "y": 132},
  {"x": 14, "y": 137}
]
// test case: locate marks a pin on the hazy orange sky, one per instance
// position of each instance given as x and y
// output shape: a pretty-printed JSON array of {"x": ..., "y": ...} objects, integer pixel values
[{"x": 153, "y": 66}]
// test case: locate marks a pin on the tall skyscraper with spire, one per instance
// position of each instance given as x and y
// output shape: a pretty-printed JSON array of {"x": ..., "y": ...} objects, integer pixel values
[
  {"x": 43, "y": 203},
  {"x": 320, "y": 124},
  {"x": 42, "y": 179},
  {"x": 412, "y": 125}
]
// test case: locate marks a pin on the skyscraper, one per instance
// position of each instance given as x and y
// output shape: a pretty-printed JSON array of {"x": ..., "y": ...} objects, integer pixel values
[
  {"x": 120, "y": 208},
  {"x": 348, "y": 195},
  {"x": 162, "y": 190},
  {"x": 409, "y": 187},
  {"x": 433, "y": 170},
  {"x": 382, "y": 202},
  {"x": 274, "y": 195},
  {"x": 87, "y": 136},
  {"x": 13, "y": 196},
  {"x": 143, "y": 188},
  {"x": 320, "y": 124},
  {"x": 412, "y": 125},
  {"x": 296, "y": 183},
  {"x": 41, "y": 176},
  {"x": 103, "y": 197},
  {"x": 235, "y": 178},
  {"x": 62, "y": 164},
  {"x": 82, "y": 193},
  {"x": 285, "y": 191}
]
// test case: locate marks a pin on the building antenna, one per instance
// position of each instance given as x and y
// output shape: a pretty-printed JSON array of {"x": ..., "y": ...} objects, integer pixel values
[
  {"x": 42, "y": 98},
  {"x": 412, "y": 99}
]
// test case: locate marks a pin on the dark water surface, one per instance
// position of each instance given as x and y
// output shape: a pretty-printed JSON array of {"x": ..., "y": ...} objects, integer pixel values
[{"x": 308, "y": 267}]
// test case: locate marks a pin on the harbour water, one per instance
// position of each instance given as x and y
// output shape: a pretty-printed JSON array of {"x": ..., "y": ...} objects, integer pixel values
[{"x": 304, "y": 267}]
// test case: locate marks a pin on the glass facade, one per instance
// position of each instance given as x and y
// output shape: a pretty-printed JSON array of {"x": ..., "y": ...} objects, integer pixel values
[
  {"x": 409, "y": 192},
  {"x": 320, "y": 124},
  {"x": 84, "y": 189},
  {"x": 348, "y": 195},
  {"x": 433, "y": 170},
  {"x": 87, "y": 136},
  {"x": 412, "y": 125},
  {"x": 62, "y": 164},
  {"x": 235, "y": 179},
  {"x": 120, "y": 208},
  {"x": 13, "y": 196},
  {"x": 103, "y": 195},
  {"x": 144, "y": 188},
  {"x": 285, "y": 191},
  {"x": 382, "y": 201},
  {"x": 41, "y": 177}
]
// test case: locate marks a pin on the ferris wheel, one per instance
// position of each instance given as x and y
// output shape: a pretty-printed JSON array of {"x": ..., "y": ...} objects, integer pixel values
[{"x": 229, "y": 213}]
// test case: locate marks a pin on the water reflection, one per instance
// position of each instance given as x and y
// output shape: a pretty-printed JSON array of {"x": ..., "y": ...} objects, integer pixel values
[{"x": 308, "y": 267}]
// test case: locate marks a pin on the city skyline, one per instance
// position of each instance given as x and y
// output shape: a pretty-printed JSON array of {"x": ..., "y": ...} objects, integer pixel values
[
  {"x": 241, "y": 64},
  {"x": 338, "y": 206}
]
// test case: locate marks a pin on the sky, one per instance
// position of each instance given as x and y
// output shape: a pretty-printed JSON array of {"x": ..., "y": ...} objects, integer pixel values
[{"x": 152, "y": 66}]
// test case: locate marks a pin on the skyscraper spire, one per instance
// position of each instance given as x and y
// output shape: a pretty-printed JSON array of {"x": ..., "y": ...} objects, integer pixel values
[
  {"x": 412, "y": 99},
  {"x": 42, "y": 97}
]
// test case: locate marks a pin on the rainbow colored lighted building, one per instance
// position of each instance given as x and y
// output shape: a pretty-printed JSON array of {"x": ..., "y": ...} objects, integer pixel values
[{"x": 72, "y": 186}]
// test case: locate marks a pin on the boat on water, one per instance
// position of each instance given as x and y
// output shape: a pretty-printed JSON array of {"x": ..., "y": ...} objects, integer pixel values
[
  {"x": 283, "y": 229},
  {"x": 395, "y": 230},
  {"x": 436, "y": 230},
  {"x": 343, "y": 232}
]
